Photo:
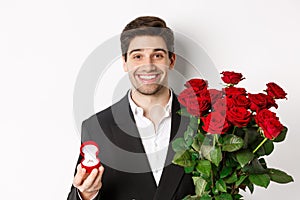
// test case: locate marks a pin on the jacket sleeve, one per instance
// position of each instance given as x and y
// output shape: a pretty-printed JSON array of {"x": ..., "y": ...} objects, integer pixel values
[{"x": 73, "y": 194}]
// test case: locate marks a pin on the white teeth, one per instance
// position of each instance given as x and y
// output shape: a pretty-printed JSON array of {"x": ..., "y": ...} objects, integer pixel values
[{"x": 147, "y": 77}]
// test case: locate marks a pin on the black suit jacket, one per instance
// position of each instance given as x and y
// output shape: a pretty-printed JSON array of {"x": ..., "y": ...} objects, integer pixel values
[{"x": 127, "y": 173}]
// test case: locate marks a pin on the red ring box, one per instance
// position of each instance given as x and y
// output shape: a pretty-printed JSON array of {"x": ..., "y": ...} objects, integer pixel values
[{"x": 90, "y": 150}]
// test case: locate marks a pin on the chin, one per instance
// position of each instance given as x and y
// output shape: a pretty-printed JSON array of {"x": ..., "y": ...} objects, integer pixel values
[{"x": 149, "y": 90}]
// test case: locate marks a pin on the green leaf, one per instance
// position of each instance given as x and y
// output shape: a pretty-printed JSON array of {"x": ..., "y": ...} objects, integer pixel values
[
  {"x": 208, "y": 186},
  {"x": 216, "y": 155},
  {"x": 237, "y": 196},
  {"x": 204, "y": 167},
  {"x": 231, "y": 160},
  {"x": 193, "y": 123},
  {"x": 183, "y": 159},
  {"x": 200, "y": 185},
  {"x": 189, "y": 141},
  {"x": 249, "y": 185},
  {"x": 183, "y": 112},
  {"x": 282, "y": 135},
  {"x": 201, "y": 137},
  {"x": 179, "y": 145},
  {"x": 195, "y": 156},
  {"x": 255, "y": 167},
  {"x": 279, "y": 176},
  {"x": 263, "y": 163},
  {"x": 197, "y": 141},
  {"x": 188, "y": 133},
  {"x": 210, "y": 150},
  {"x": 221, "y": 185},
  {"x": 268, "y": 147},
  {"x": 232, "y": 143},
  {"x": 251, "y": 135},
  {"x": 206, "y": 197},
  {"x": 244, "y": 157},
  {"x": 205, "y": 151},
  {"x": 225, "y": 172},
  {"x": 191, "y": 197},
  {"x": 196, "y": 144},
  {"x": 231, "y": 179},
  {"x": 224, "y": 196},
  {"x": 196, "y": 197},
  {"x": 262, "y": 180},
  {"x": 239, "y": 132},
  {"x": 215, "y": 191},
  {"x": 240, "y": 180},
  {"x": 189, "y": 169}
]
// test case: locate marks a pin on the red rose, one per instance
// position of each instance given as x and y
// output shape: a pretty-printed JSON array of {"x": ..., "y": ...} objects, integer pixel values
[
  {"x": 200, "y": 84},
  {"x": 229, "y": 103},
  {"x": 215, "y": 95},
  {"x": 215, "y": 123},
  {"x": 197, "y": 104},
  {"x": 275, "y": 91},
  {"x": 241, "y": 101},
  {"x": 258, "y": 101},
  {"x": 264, "y": 114},
  {"x": 261, "y": 101},
  {"x": 185, "y": 95},
  {"x": 232, "y": 77},
  {"x": 204, "y": 102},
  {"x": 269, "y": 123},
  {"x": 193, "y": 106},
  {"x": 220, "y": 106},
  {"x": 271, "y": 102},
  {"x": 239, "y": 116},
  {"x": 233, "y": 91}
]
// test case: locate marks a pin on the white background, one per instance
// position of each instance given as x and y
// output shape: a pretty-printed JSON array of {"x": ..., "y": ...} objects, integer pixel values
[{"x": 43, "y": 45}]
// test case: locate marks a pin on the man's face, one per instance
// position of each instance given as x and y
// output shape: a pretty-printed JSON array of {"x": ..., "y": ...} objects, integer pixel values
[{"x": 148, "y": 63}]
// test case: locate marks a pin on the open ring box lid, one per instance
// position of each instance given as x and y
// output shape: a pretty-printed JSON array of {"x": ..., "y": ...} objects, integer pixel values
[{"x": 90, "y": 150}]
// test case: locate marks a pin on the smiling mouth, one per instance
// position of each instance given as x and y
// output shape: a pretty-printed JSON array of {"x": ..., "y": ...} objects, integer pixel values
[{"x": 148, "y": 78}]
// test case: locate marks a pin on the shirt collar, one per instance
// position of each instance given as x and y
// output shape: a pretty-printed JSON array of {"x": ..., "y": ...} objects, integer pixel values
[{"x": 136, "y": 110}]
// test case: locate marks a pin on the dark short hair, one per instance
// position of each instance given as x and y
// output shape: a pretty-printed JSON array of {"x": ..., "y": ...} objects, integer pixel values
[{"x": 147, "y": 25}]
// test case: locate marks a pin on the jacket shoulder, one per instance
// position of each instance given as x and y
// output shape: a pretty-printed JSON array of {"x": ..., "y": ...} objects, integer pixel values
[{"x": 106, "y": 116}]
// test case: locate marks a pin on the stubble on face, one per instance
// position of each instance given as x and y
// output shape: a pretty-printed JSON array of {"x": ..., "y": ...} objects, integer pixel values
[{"x": 149, "y": 86}]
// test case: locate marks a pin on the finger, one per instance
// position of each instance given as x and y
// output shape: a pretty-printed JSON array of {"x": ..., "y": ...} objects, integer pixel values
[
  {"x": 79, "y": 177},
  {"x": 101, "y": 171},
  {"x": 88, "y": 182},
  {"x": 98, "y": 183}
]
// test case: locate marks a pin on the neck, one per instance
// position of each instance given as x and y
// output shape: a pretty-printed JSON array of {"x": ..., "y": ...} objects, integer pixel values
[{"x": 147, "y": 101}]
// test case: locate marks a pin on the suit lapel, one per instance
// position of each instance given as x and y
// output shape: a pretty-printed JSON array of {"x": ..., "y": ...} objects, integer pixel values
[{"x": 127, "y": 135}]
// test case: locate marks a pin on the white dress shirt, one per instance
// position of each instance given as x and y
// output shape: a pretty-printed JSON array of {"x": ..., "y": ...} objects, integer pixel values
[{"x": 155, "y": 139}]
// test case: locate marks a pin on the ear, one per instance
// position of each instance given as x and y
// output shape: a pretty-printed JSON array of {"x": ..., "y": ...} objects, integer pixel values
[
  {"x": 125, "y": 68},
  {"x": 172, "y": 61}
]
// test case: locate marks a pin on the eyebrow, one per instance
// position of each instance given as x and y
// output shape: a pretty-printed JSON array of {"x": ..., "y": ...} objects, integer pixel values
[{"x": 157, "y": 49}]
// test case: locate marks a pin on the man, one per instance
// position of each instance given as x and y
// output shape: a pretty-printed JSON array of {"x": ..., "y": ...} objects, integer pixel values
[{"x": 134, "y": 134}]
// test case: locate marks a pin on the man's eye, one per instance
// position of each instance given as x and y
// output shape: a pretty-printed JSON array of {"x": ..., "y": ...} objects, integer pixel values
[
  {"x": 159, "y": 55},
  {"x": 137, "y": 57}
]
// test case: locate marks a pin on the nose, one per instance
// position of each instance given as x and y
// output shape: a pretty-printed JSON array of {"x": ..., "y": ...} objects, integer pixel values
[
  {"x": 148, "y": 59},
  {"x": 147, "y": 67},
  {"x": 148, "y": 63}
]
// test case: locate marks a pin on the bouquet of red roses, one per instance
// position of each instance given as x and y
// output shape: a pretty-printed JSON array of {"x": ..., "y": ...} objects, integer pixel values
[{"x": 229, "y": 132}]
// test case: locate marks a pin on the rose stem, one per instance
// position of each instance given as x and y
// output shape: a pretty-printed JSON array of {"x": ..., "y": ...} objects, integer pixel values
[{"x": 260, "y": 145}]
